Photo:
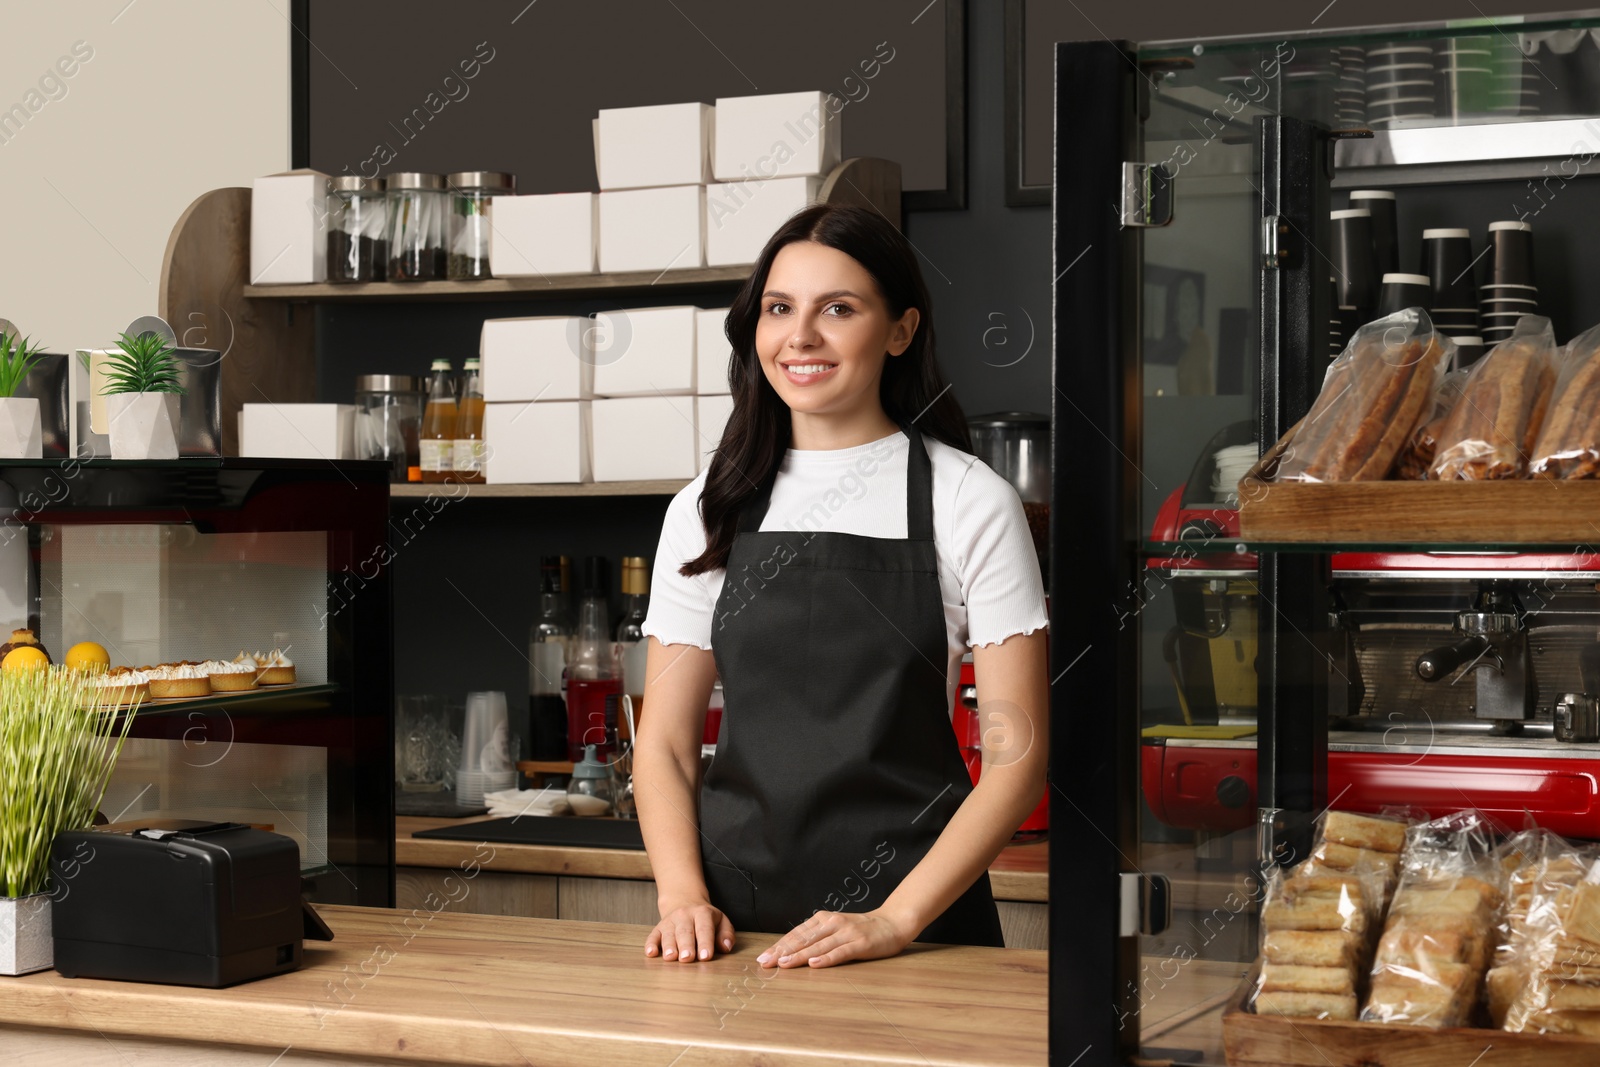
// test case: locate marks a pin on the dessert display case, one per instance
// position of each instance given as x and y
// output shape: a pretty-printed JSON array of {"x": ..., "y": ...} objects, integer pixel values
[
  {"x": 1216, "y": 690},
  {"x": 186, "y": 561}
]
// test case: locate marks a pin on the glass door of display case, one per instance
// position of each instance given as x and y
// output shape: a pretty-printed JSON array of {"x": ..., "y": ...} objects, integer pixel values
[{"x": 1196, "y": 312}]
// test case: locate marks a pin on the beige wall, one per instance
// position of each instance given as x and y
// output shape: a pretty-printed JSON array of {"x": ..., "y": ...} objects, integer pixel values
[{"x": 174, "y": 98}]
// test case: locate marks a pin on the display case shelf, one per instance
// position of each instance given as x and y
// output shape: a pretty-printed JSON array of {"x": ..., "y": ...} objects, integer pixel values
[
  {"x": 554, "y": 286},
  {"x": 277, "y": 698},
  {"x": 665, "y": 487}
]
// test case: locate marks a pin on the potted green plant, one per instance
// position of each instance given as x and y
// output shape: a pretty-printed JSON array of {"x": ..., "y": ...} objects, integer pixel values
[
  {"x": 57, "y": 751},
  {"x": 20, "y": 433},
  {"x": 142, "y": 391}
]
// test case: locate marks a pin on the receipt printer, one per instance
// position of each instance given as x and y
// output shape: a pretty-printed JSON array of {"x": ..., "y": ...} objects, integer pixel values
[{"x": 208, "y": 905}]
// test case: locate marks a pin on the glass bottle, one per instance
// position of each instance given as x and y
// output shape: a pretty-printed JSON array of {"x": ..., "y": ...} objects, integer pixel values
[
  {"x": 547, "y": 664},
  {"x": 470, "y": 194},
  {"x": 592, "y": 667},
  {"x": 468, "y": 450},
  {"x": 631, "y": 643},
  {"x": 437, "y": 441}
]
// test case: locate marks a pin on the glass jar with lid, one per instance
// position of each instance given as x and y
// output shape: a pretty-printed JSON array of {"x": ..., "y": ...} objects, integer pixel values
[
  {"x": 470, "y": 191},
  {"x": 358, "y": 238},
  {"x": 418, "y": 206},
  {"x": 388, "y": 418}
]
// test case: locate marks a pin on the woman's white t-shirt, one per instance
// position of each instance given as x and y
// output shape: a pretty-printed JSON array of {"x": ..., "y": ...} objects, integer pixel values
[{"x": 988, "y": 570}]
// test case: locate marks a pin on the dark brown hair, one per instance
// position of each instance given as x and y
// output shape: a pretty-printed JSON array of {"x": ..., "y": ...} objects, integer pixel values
[{"x": 758, "y": 431}]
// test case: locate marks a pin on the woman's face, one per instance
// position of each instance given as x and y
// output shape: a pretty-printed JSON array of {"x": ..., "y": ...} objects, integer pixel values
[{"x": 825, "y": 331}]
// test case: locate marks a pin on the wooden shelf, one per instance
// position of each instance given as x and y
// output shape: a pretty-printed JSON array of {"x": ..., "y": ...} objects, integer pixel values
[
  {"x": 563, "y": 286},
  {"x": 667, "y": 487}
]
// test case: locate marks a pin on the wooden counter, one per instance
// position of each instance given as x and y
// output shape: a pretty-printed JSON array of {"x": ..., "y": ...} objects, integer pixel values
[
  {"x": 468, "y": 989},
  {"x": 1021, "y": 873}
]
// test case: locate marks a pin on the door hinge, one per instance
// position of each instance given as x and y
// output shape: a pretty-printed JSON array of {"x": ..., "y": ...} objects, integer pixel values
[
  {"x": 1274, "y": 242},
  {"x": 1146, "y": 904},
  {"x": 1147, "y": 193}
]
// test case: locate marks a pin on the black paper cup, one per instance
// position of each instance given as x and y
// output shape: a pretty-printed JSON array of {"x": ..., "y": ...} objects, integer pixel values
[
  {"x": 1447, "y": 261},
  {"x": 1385, "y": 240},
  {"x": 1354, "y": 259},
  {"x": 1469, "y": 349},
  {"x": 1511, "y": 258},
  {"x": 1401, "y": 291}
]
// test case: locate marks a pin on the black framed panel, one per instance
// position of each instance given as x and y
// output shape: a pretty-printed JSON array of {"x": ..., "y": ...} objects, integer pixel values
[{"x": 510, "y": 85}]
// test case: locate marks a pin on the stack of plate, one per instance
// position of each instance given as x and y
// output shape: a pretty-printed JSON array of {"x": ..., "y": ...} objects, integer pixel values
[
  {"x": 1350, "y": 91},
  {"x": 1463, "y": 73},
  {"x": 1400, "y": 85},
  {"x": 1515, "y": 84},
  {"x": 1232, "y": 464}
]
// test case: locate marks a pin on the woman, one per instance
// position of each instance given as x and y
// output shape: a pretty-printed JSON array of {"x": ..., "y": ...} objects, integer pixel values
[{"x": 833, "y": 564}]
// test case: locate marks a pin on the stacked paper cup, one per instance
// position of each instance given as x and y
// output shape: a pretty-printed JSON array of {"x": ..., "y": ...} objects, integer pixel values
[
  {"x": 486, "y": 764},
  {"x": 1510, "y": 291}
]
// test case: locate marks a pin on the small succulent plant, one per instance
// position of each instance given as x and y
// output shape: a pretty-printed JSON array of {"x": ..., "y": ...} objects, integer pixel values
[
  {"x": 17, "y": 358},
  {"x": 142, "y": 364}
]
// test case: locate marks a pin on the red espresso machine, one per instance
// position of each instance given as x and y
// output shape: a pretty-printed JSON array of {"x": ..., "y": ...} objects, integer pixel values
[{"x": 1456, "y": 679}]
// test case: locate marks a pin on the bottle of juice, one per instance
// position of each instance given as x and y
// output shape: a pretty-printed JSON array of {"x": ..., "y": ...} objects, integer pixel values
[
  {"x": 468, "y": 450},
  {"x": 631, "y": 642},
  {"x": 592, "y": 667},
  {"x": 437, "y": 440}
]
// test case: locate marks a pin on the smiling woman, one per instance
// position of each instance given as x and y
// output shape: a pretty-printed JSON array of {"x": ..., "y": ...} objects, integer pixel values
[{"x": 837, "y": 815}]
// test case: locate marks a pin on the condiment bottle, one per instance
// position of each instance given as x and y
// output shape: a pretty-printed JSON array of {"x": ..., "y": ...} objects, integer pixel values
[
  {"x": 437, "y": 440},
  {"x": 631, "y": 643},
  {"x": 468, "y": 448}
]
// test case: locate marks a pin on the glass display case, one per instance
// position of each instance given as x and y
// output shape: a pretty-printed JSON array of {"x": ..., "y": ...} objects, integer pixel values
[
  {"x": 195, "y": 560},
  {"x": 1212, "y": 696}
]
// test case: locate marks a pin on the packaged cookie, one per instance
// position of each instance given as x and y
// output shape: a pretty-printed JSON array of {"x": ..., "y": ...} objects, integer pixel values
[
  {"x": 1546, "y": 976},
  {"x": 1373, "y": 398},
  {"x": 1423, "y": 445},
  {"x": 1491, "y": 431},
  {"x": 1440, "y": 929},
  {"x": 1568, "y": 445}
]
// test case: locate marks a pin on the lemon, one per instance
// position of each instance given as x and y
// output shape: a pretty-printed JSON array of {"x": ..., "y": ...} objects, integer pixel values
[
  {"x": 88, "y": 655},
  {"x": 24, "y": 658}
]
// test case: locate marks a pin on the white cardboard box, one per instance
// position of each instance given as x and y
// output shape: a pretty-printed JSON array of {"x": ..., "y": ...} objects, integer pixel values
[
  {"x": 653, "y": 229},
  {"x": 781, "y": 135},
  {"x": 538, "y": 235},
  {"x": 711, "y": 415},
  {"x": 536, "y": 443},
  {"x": 741, "y": 216},
  {"x": 711, "y": 351},
  {"x": 644, "y": 438},
  {"x": 297, "y": 431},
  {"x": 664, "y": 144},
  {"x": 644, "y": 352},
  {"x": 289, "y": 228},
  {"x": 541, "y": 358}
]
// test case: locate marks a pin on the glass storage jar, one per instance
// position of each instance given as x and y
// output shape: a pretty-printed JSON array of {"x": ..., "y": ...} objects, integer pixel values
[
  {"x": 418, "y": 206},
  {"x": 388, "y": 416},
  {"x": 358, "y": 239},
  {"x": 470, "y": 191}
]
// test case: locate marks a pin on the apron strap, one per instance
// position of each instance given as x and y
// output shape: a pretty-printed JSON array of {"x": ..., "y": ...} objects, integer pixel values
[{"x": 919, "y": 493}]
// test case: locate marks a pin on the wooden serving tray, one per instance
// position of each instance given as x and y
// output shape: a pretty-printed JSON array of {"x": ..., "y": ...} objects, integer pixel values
[
  {"x": 1251, "y": 1040},
  {"x": 1530, "y": 511}
]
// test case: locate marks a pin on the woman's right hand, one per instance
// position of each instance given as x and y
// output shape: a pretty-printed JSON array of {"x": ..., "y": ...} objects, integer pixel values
[{"x": 688, "y": 931}]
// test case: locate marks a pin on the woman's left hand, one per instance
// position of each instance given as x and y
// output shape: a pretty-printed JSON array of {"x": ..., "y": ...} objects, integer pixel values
[{"x": 830, "y": 937}]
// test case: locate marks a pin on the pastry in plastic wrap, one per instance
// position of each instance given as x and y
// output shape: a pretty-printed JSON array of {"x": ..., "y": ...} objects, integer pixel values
[
  {"x": 1547, "y": 968},
  {"x": 1568, "y": 445},
  {"x": 1423, "y": 444},
  {"x": 1372, "y": 400},
  {"x": 1491, "y": 431},
  {"x": 1437, "y": 938}
]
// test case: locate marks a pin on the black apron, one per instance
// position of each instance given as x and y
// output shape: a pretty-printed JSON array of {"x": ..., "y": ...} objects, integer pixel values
[{"x": 836, "y": 766}]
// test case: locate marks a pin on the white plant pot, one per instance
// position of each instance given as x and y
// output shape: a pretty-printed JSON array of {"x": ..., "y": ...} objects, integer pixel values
[
  {"x": 143, "y": 425},
  {"x": 25, "y": 942},
  {"x": 20, "y": 434}
]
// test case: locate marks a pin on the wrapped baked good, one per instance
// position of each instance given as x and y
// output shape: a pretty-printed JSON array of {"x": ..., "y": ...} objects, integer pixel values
[
  {"x": 1568, "y": 445},
  {"x": 1372, "y": 400},
  {"x": 1423, "y": 444},
  {"x": 1318, "y": 918},
  {"x": 1439, "y": 933},
  {"x": 1546, "y": 976},
  {"x": 1491, "y": 431}
]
